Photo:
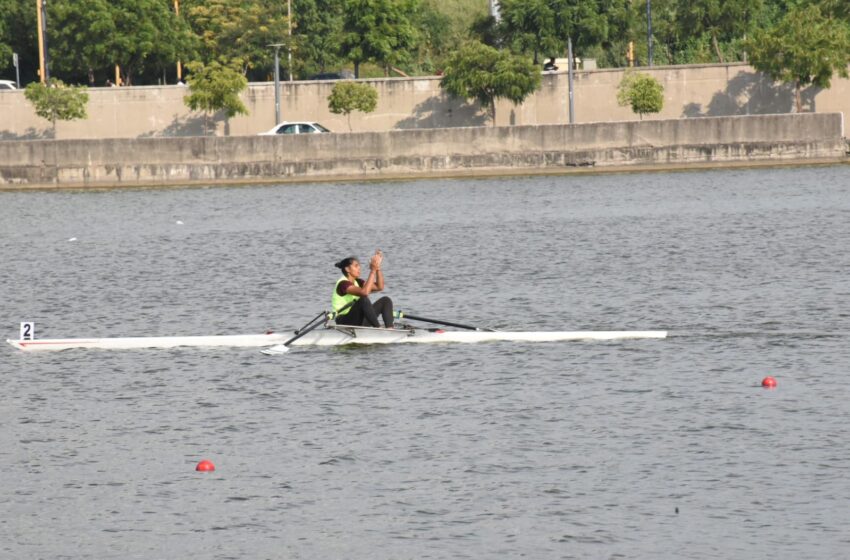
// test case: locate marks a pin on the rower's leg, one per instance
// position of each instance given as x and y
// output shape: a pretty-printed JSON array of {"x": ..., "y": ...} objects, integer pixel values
[
  {"x": 353, "y": 317},
  {"x": 367, "y": 310},
  {"x": 384, "y": 306}
]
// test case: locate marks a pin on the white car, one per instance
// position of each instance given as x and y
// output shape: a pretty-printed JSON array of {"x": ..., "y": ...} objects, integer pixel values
[
  {"x": 7, "y": 84},
  {"x": 295, "y": 128}
]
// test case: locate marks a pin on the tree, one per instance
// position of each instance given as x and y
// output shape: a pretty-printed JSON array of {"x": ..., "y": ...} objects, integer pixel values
[
  {"x": 238, "y": 30},
  {"x": 74, "y": 24},
  {"x": 438, "y": 36},
  {"x": 146, "y": 33},
  {"x": 544, "y": 26},
  {"x": 378, "y": 31},
  {"x": 17, "y": 32},
  {"x": 5, "y": 48},
  {"x": 352, "y": 96},
  {"x": 642, "y": 92},
  {"x": 57, "y": 101},
  {"x": 529, "y": 26},
  {"x": 215, "y": 87},
  {"x": 317, "y": 34},
  {"x": 805, "y": 47},
  {"x": 720, "y": 19},
  {"x": 836, "y": 8},
  {"x": 486, "y": 74}
]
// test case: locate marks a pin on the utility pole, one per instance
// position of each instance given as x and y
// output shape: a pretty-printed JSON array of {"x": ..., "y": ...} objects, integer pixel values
[
  {"x": 179, "y": 64},
  {"x": 649, "y": 30},
  {"x": 43, "y": 62},
  {"x": 289, "y": 17}
]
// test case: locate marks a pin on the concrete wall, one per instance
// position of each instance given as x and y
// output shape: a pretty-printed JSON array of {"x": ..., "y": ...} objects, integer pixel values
[
  {"x": 414, "y": 103},
  {"x": 428, "y": 152}
]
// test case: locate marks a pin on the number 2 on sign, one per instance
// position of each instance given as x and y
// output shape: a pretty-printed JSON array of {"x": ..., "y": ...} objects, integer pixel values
[{"x": 27, "y": 331}]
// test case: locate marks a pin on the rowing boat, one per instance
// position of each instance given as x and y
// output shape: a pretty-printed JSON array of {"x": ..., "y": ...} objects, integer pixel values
[{"x": 330, "y": 335}]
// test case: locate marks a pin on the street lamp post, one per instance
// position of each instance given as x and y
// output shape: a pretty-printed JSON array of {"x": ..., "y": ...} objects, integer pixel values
[
  {"x": 276, "y": 81},
  {"x": 17, "y": 70}
]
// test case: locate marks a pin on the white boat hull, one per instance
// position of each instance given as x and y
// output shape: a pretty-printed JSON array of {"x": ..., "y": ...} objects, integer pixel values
[
  {"x": 333, "y": 336},
  {"x": 233, "y": 341}
]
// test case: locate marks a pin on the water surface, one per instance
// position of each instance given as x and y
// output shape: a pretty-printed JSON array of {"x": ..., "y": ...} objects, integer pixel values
[{"x": 637, "y": 449}]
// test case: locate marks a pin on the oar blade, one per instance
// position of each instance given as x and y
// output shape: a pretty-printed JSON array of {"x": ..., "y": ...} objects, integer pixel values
[{"x": 276, "y": 350}]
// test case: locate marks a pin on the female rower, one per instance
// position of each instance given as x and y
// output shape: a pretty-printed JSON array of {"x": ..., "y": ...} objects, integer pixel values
[{"x": 352, "y": 288}]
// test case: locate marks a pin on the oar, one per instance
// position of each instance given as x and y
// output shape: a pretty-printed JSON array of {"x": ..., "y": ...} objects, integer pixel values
[
  {"x": 403, "y": 315},
  {"x": 318, "y": 320}
]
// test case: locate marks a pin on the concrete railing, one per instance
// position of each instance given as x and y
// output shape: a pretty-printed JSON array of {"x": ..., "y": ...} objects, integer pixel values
[{"x": 423, "y": 152}]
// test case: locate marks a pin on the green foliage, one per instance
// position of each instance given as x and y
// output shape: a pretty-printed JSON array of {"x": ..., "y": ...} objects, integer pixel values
[
  {"x": 17, "y": 34},
  {"x": 5, "y": 47},
  {"x": 835, "y": 8},
  {"x": 544, "y": 26},
  {"x": 805, "y": 47},
  {"x": 237, "y": 30},
  {"x": 460, "y": 15},
  {"x": 216, "y": 87},
  {"x": 641, "y": 92},
  {"x": 483, "y": 73},
  {"x": 719, "y": 19},
  {"x": 76, "y": 22},
  {"x": 436, "y": 37},
  {"x": 147, "y": 33},
  {"x": 57, "y": 101},
  {"x": 317, "y": 34},
  {"x": 352, "y": 96},
  {"x": 146, "y": 38},
  {"x": 529, "y": 26},
  {"x": 379, "y": 31}
]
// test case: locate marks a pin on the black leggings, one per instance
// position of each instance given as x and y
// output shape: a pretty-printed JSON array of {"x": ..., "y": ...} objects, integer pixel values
[{"x": 365, "y": 313}]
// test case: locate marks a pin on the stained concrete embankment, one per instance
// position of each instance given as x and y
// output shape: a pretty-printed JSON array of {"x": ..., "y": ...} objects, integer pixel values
[{"x": 424, "y": 152}]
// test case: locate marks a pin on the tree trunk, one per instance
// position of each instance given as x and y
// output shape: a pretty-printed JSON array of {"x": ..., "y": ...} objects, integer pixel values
[
  {"x": 717, "y": 48},
  {"x": 493, "y": 112},
  {"x": 797, "y": 98},
  {"x": 357, "y": 70}
]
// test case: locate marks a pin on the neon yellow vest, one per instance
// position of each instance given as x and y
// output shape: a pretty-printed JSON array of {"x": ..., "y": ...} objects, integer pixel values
[{"x": 338, "y": 301}]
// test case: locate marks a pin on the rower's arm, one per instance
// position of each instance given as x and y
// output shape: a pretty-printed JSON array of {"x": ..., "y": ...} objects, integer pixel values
[
  {"x": 379, "y": 280},
  {"x": 368, "y": 287}
]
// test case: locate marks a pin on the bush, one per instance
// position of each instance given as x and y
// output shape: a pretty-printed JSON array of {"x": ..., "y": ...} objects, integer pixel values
[
  {"x": 642, "y": 92},
  {"x": 347, "y": 97}
]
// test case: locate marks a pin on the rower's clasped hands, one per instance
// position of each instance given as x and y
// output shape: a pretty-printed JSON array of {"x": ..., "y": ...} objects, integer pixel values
[{"x": 376, "y": 260}]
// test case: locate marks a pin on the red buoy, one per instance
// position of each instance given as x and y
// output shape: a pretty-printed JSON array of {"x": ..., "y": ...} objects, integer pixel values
[
  {"x": 768, "y": 382},
  {"x": 205, "y": 466}
]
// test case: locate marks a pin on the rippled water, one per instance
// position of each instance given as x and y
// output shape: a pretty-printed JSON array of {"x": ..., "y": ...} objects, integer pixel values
[{"x": 640, "y": 449}]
